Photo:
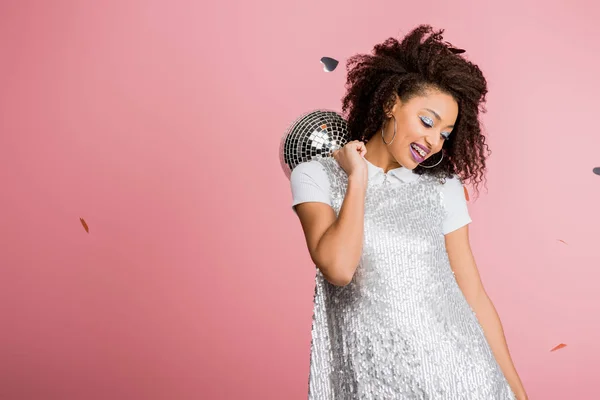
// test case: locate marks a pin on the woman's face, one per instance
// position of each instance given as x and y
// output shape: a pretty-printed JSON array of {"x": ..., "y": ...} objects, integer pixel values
[{"x": 423, "y": 124}]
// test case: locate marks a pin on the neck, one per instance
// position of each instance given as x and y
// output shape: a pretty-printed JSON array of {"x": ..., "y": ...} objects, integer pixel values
[{"x": 378, "y": 154}]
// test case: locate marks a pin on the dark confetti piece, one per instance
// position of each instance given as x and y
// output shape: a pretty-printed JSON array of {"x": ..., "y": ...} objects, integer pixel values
[
  {"x": 85, "y": 225},
  {"x": 597, "y": 170},
  {"x": 455, "y": 50},
  {"x": 329, "y": 64},
  {"x": 560, "y": 346}
]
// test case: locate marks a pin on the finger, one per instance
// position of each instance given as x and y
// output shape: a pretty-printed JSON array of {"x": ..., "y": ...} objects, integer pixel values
[{"x": 361, "y": 148}]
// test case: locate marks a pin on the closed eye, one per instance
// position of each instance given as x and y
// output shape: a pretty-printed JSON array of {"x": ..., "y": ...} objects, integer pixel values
[{"x": 428, "y": 123}]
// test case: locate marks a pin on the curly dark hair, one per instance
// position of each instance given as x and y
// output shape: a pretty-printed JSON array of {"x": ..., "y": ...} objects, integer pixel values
[{"x": 422, "y": 61}]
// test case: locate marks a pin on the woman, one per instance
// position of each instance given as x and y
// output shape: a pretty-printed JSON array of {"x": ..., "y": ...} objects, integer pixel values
[{"x": 400, "y": 310}]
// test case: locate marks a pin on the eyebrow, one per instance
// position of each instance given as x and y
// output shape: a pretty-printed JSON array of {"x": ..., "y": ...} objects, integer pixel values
[{"x": 437, "y": 116}]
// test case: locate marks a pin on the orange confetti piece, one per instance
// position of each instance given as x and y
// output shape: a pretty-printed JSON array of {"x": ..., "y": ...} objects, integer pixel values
[
  {"x": 324, "y": 126},
  {"x": 85, "y": 225},
  {"x": 466, "y": 193},
  {"x": 562, "y": 241},
  {"x": 560, "y": 346}
]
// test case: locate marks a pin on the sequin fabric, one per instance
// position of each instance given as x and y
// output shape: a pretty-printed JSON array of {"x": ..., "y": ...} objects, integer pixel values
[{"x": 402, "y": 328}]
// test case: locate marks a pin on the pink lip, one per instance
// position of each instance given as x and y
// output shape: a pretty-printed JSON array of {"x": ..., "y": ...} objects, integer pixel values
[
  {"x": 425, "y": 149},
  {"x": 416, "y": 155}
]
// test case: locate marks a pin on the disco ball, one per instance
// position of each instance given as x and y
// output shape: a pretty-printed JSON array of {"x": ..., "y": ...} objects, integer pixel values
[{"x": 316, "y": 133}]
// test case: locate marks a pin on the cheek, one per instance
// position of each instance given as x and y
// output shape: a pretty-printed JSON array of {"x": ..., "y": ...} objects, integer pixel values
[
  {"x": 403, "y": 141},
  {"x": 412, "y": 134}
]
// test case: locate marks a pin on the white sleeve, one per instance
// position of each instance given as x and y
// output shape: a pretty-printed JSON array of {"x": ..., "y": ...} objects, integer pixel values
[
  {"x": 309, "y": 183},
  {"x": 456, "y": 205}
]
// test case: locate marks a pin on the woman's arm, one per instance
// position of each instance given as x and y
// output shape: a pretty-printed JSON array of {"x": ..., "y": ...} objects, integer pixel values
[
  {"x": 335, "y": 244},
  {"x": 467, "y": 276}
]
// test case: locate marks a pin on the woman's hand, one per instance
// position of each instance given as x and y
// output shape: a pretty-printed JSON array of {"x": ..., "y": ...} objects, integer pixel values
[
  {"x": 351, "y": 159},
  {"x": 522, "y": 396}
]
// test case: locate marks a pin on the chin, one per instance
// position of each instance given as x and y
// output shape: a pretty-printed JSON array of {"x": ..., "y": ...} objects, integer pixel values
[{"x": 408, "y": 163}]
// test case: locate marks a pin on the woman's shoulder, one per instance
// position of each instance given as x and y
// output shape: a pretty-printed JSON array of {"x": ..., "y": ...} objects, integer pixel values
[
  {"x": 449, "y": 184},
  {"x": 316, "y": 168},
  {"x": 455, "y": 202},
  {"x": 312, "y": 168},
  {"x": 310, "y": 173},
  {"x": 310, "y": 183},
  {"x": 452, "y": 183},
  {"x": 453, "y": 189}
]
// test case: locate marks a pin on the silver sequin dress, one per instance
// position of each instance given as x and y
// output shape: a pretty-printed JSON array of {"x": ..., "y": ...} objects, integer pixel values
[{"x": 402, "y": 328}]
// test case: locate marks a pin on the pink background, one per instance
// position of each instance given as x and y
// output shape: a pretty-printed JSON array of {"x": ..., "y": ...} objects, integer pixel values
[{"x": 159, "y": 124}]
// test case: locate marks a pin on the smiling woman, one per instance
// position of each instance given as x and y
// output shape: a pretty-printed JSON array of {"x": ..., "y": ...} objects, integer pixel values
[
  {"x": 400, "y": 311},
  {"x": 381, "y": 83}
]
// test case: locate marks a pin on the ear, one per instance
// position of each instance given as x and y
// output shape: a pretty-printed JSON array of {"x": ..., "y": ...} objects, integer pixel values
[{"x": 396, "y": 104}]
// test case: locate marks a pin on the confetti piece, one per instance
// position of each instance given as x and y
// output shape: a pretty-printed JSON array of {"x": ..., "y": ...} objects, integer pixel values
[
  {"x": 329, "y": 64},
  {"x": 562, "y": 241},
  {"x": 466, "y": 193},
  {"x": 597, "y": 170},
  {"x": 455, "y": 50},
  {"x": 85, "y": 226},
  {"x": 560, "y": 346}
]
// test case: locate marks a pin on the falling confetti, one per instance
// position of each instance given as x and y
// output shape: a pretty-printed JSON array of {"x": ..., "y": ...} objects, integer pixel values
[
  {"x": 560, "y": 346},
  {"x": 85, "y": 226},
  {"x": 466, "y": 193},
  {"x": 562, "y": 241},
  {"x": 329, "y": 64},
  {"x": 597, "y": 170}
]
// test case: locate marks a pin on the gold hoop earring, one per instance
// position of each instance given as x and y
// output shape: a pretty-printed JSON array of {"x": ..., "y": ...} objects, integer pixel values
[
  {"x": 436, "y": 164},
  {"x": 393, "y": 137}
]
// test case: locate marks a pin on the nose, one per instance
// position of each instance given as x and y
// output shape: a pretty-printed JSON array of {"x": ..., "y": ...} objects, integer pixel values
[{"x": 433, "y": 141}]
